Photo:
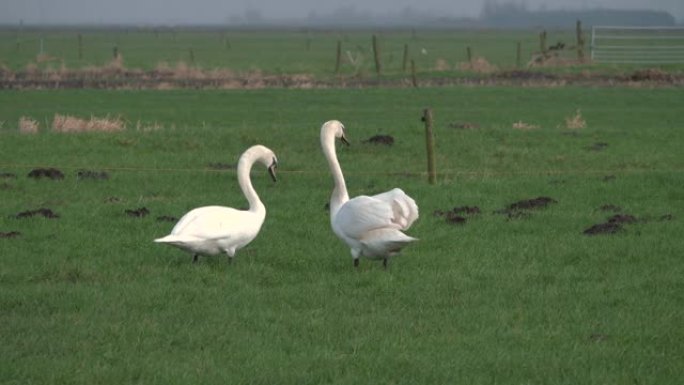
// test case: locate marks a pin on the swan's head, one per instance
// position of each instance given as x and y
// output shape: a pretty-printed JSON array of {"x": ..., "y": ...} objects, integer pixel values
[
  {"x": 334, "y": 128},
  {"x": 263, "y": 155}
]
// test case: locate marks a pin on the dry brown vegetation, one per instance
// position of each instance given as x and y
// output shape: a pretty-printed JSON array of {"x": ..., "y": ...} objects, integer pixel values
[
  {"x": 575, "y": 121},
  {"x": 520, "y": 125},
  {"x": 479, "y": 65},
  {"x": 28, "y": 125},
  {"x": 66, "y": 123}
]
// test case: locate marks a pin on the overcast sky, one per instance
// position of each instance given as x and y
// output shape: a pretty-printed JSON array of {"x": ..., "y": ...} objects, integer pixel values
[{"x": 221, "y": 11}]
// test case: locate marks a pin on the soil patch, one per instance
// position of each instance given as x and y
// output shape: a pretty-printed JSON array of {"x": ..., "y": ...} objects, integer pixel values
[
  {"x": 457, "y": 215},
  {"x": 89, "y": 174},
  {"x": 166, "y": 218},
  {"x": 50, "y": 173},
  {"x": 44, "y": 212},
  {"x": 520, "y": 209},
  {"x": 380, "y": 139},
  {"x": 613, "y": 225},
  {"x": 7, "y": 175},
  {"x": 11, "y": 234},
  {"x": 604, "y": 228},
  {"x": 609, "y": 178},
  {"x": 666, "y": 217},
  {"x": 138, "y": 213}
]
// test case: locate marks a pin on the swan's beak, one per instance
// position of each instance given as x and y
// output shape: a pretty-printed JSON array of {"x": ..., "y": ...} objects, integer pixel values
[
  {"x": 344, "y": 140},
  {"x": 272, "y": 169}
]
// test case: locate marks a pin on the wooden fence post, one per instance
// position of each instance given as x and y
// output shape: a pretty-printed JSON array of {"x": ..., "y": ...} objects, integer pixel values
[
  {"x": 414, "y": 80},
  {"x": 80, "y": 46},
  {"x": 405, "y": 62},
  {"x": 518, "y": 55},
  {"x": 191, "y": 52},
  {"x": 338, "y": 60},
  {"x": 430, "y": 145},
  {"x": 580, "y": 42},
  {"x": 376, "y": 54},
  {"x": 542, "y": 42},
  {"x": 469, "y": 53}
]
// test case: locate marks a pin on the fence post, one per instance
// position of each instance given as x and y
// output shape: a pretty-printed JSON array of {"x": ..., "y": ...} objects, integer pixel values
[
  {"x": 542, "y": 42},
  {"x": 338, "y": 60},
  {"x": 470, "y": 55},
  {"x": 376, "y": 54},
  {"x": 80, "y": 46},
  {"x": 518, "y": 55},
  {"x": 580, "y": 42},
  {"x": 414, "y": 80},
  {"x": 430, "y": 144},
  {"x": 405, "y": 62},
  {"x": 191, "y": 52}
]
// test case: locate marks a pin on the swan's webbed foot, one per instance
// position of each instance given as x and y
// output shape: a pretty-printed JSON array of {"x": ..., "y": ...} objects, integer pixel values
[
  {"x": 356, "y": 262},
  {"x": 195, "y": 258}
]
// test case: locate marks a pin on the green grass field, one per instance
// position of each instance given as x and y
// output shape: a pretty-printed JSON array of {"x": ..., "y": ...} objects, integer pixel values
[
  {"x": 89, "y": 298},
  {"x": 435, "y": 52}
]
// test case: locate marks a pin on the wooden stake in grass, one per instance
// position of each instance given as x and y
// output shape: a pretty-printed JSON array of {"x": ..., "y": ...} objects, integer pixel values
[
  {"x": 376, "y": 54},
  {"x": 518, "y": 55},
  {"x": 414, "y": 80},
  {"x": 338, "y": 60},
  {"x": 542, "y": 42},
  {"x": 580, "y": 42},
  {"x": 80, "y": 46},
  {"x": 405, "y": 62},
  {"x": 430, "y": 144},
  {"x": 469, "y": 53}
]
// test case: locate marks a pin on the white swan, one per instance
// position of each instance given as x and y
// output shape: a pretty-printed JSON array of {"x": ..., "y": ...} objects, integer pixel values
[
  {"x": 215, "y": 229},
  {"x": 370, "y": 225}
]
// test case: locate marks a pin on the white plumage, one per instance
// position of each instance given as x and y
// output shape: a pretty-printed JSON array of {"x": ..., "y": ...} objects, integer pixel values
[
  {"x": 370, "y": 225},
  {"x": 211, "y": 230}
]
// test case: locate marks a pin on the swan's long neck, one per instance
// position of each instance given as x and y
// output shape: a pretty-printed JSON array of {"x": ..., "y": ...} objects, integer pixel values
[
  {"x": 243, "y": 172},
  {"x": 339, "y": 194}
]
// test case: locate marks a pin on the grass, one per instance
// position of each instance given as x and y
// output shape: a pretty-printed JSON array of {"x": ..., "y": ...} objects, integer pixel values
[
  {"x": 88, "y": 298},
  {"x": 435, "y": 52}
]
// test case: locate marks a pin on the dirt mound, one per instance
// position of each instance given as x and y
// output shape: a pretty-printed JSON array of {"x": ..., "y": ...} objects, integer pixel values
[
  {"x": 380, "y": 139},
  {"x": 138, "y": 213},
  {"x": 604, "y": 228},
  {"x": 455, "y": 216},
  {"x": 44, "y": 212},
  {"x": 7, "y": 175},
  {"x": 530, "y": 204},
  {"x": 11, "y": 234},
  {"x": 166, "y": 218},
  {"x": 598, "y": 146},
  {"x": 89, "y": 174},
  {"x": 612, "y": 225},
  {"x": 50, "y": 173}
]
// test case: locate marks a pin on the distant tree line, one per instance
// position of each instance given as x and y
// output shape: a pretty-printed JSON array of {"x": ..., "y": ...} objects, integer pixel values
[{"x": 512, "y": 15}]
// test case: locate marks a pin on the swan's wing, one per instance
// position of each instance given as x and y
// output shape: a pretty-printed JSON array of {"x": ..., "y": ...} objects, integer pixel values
[
  {"x": 404, "y": 208},
  {"x": 362, "y": 214},
  {"x": 211, "y": 222}
]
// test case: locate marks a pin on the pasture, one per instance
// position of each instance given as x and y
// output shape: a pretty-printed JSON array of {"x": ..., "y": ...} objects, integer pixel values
[{"x": 503, "y": 297}]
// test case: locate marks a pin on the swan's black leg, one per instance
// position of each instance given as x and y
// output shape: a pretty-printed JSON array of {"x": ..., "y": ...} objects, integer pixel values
[
  {"x": 356, "y": 262},
  {"x": 195, "y": 258}
]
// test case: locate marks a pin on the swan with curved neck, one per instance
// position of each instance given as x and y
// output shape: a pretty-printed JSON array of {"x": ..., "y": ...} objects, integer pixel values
[
  {"x": 370, "y": 225},
  {"x": 211, "y": 230}
]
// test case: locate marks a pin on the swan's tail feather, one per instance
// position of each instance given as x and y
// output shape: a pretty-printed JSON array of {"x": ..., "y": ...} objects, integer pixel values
[
  {"x": 386, "y": 241},
  {"x": 176, "y": 239}
]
